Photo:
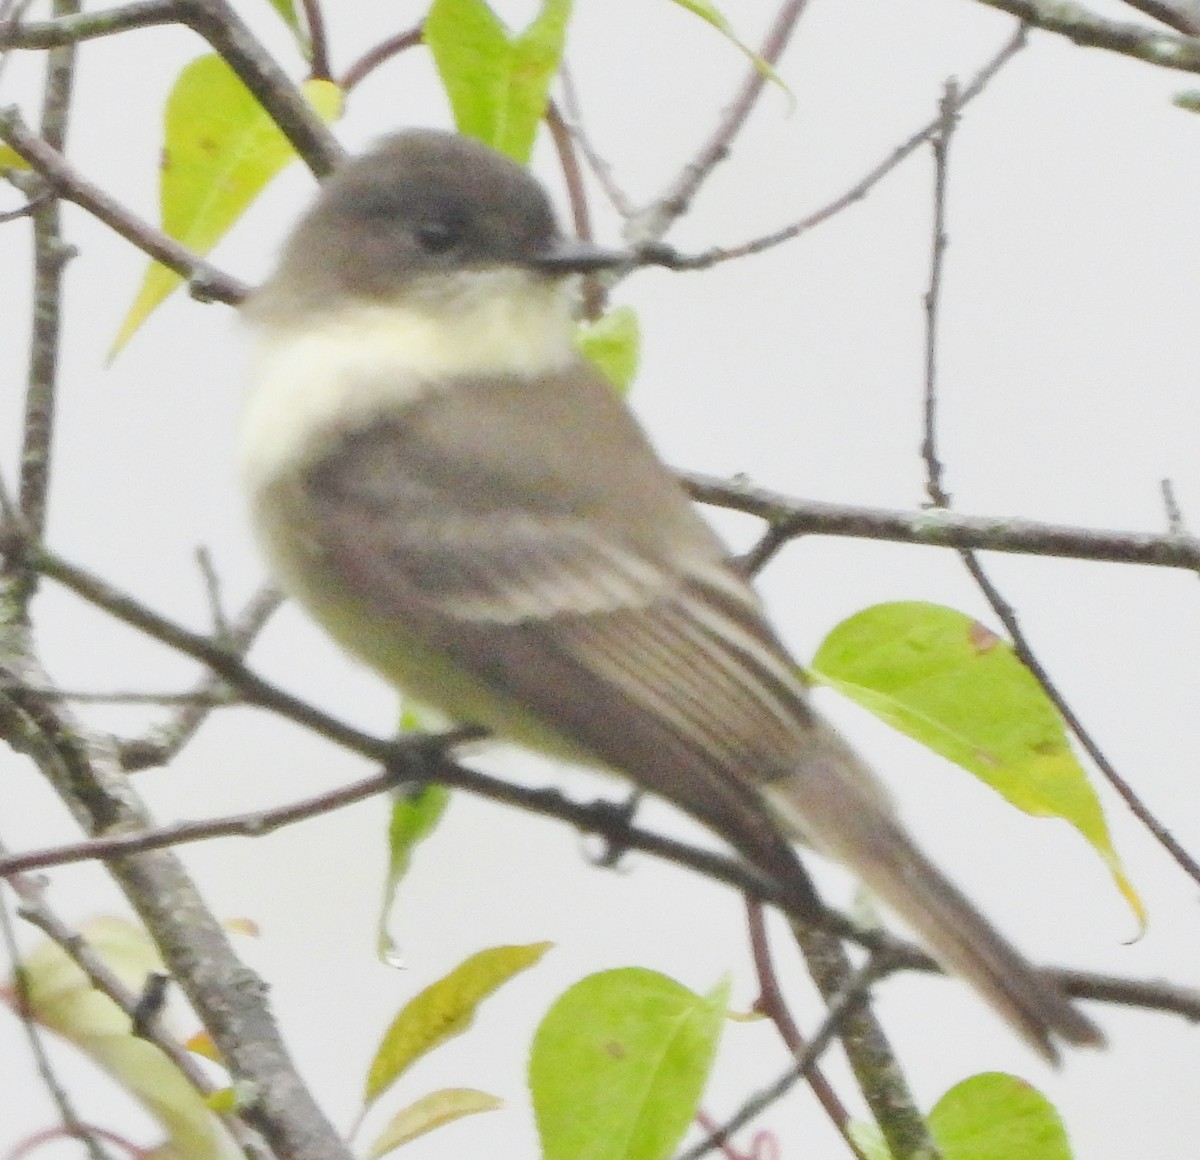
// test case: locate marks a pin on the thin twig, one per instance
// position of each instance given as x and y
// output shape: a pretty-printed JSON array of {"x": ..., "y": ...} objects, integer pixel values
[
  {"x": 82, "y": 766},
  {"x": 131, "y": 697},
  {"x": 653, "y": 222},
  {"x": 564, "y": 143},
  {"x": 600, "y": 167},
  {"x": 24, "y": 1012},
  {"x": 380, "y": 54},
  {"x": 163, "y": 743},
  {"x": 594, "y": 290},
  {"x": 846, "y": 1001},
  {"x": 212, "y": 593},
  {"x": 35, "y": 910},
  {"x": 318, "y": 39},
  {"x": 28, "y": 209},
  {"x": 991, "y": 593},
  {"x": 855, "y": 193},
  {"x": 772, "y": 1004},
  {"x": 1175, "y": 521},
  {"x": 1004, "y": 611},
  {"x": 940, "y": 142},
  {"x": 51, "y": 254}
]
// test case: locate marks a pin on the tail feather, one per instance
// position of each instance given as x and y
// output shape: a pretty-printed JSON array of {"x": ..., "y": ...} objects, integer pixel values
[{"x": 861, "y": 831}]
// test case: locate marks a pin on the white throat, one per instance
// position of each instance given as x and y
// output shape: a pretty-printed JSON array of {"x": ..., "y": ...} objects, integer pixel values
[{"x": 312, "y": 378}]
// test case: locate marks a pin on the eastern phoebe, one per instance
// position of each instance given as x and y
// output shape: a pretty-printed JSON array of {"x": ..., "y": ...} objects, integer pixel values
[{"x": 464, "y": 503}]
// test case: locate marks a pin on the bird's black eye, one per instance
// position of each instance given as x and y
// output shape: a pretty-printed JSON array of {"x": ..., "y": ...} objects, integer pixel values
[{"x": 437, "y": 235}]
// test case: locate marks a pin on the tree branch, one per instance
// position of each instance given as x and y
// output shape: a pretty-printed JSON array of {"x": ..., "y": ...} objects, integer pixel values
[
  {"x": 1091, "y": 31},
  {"x": 940, "y": 528},
  {"x": 228, "y": 34},
  {"x": 50, "y": 256},
  {"x": 72, "y": 29},
  {"x": 205, "y": 281}
]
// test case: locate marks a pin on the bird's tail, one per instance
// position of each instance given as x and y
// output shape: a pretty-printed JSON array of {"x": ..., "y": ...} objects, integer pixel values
[{"x": 859, "y": 829}]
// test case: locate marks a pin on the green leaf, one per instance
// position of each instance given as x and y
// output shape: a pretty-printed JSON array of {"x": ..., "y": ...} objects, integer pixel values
[
  {"x": 220, "y": 150},
  {"x": 619, "y": 1064},
  {"x": 868, "y": 1139},
  {"x": 62, "y": 999},
  {"x": 1189, "y": 100},
  {"x": 11, "y": 159},
  {"x": 710, "y": 14},
  {"x": 998, "y": 1117},
  {"x": 953, "y": 685},
  {"x": 415, "y": 815},
  {"x": 443, "y": 1010},
  {"x": 496, "y": 83},
  {"x": 537, "y": 53},
  {"x": 429, "y": 1112},
  {"x": 613, "y": 344},
  {"x": 287, "y": 10}
]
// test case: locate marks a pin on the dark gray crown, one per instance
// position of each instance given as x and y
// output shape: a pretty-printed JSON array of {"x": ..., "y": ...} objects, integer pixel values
[{"x": 420, "y": 202}]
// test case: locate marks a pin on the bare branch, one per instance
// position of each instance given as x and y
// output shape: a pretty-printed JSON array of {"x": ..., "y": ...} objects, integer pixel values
[
  {"x": 229, "y": 999},
  {"x": 228, "y": 34},
  {"x": 1181, "y": 15},
  {"x": 932, "y": 299},
  {"x": 772, "y": 1004},
  {"x": 318, "y": 39},
  {"x": 839, "y": 1009},
  {"x": 1091, "y": 31},
  {"x": 991, "y": 593},
  {"x": 50, "y": 256},
  {"x": 164, "y": 742},
  {"x": 380, "y": 54},
  {"x": 64, "y": 30},
  {"x": 33, "y": 1033},
  {"x": 1024, "y": 650},
  {"x": 207, "y": 282},
  {"x": 35, "y": 910},
  {"x": 599, "y": 166},
  {"x": 654, "y": 221},
  {"x": 940, "y": 528},
  {"x": 665, "y": 256}
]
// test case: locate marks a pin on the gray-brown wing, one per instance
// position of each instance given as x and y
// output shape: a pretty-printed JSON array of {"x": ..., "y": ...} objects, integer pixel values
[{"x": 604, "y": 605}]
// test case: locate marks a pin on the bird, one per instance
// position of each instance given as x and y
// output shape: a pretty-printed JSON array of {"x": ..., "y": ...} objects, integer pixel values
[{"x": 465, "y": 504}]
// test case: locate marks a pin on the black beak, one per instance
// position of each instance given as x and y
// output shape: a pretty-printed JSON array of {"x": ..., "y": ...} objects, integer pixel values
[{"x": 576, "y": 256}]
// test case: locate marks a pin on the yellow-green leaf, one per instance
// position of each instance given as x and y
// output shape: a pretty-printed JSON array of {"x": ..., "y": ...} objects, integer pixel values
[
  {"x": 415, "y": 815},
  {"x": 443, "y": 1010},
  {"x": 220, "y": 149},
  {"x": 710, "y": 14},
  {"x": 429, "y": 1112},
  {"x": 959, "y": 689},
  {"x": 287, "y": 11},
  {"x": 868, "y": 1139},
  {"x": 619, "y": 1063},
  {"x": 11, "y": 159},
  {"x": 62, "y": 999},
  {"x": 496, "y": 83},
  {"x": 612, "y": 343},
  {"x": 998, "y": 1117}
]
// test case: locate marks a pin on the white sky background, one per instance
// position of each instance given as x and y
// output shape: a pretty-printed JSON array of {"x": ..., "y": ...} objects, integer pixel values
[{"x": 1068, "y": 391}]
